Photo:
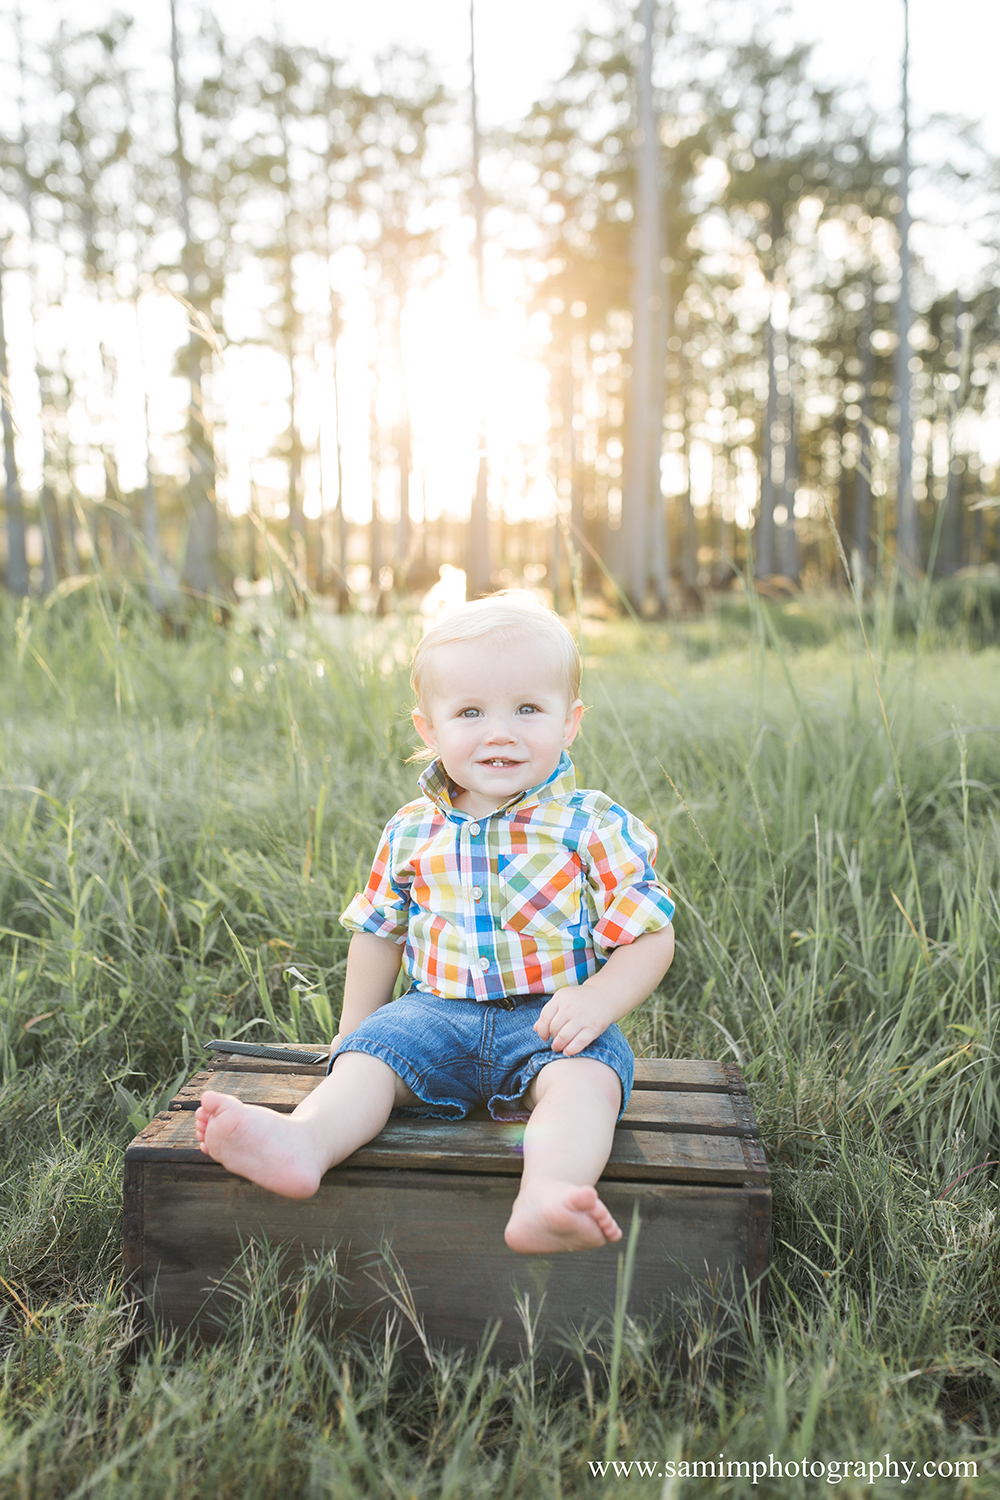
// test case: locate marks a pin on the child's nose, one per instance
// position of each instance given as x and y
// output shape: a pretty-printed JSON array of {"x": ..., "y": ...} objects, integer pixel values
[{"x": 499, "y": 731}]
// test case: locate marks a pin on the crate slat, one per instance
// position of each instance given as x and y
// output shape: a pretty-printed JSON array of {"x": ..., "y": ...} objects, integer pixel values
[
  {"x": 710, "y": 1113},
  {"x": 677, "y": 1074},
  {"x": 491, "y": 1146}
]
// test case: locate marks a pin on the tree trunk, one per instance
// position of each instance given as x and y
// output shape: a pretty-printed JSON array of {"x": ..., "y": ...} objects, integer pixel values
[
  {"x": 479, "y": 580},
  {"x": 845, "y": 517},
  {"x": 907, "y": 531},
  {"x": 764, "y": 559},
  {"x": 953, "y": 520},
  {"x": 404, "y": 529},
  {"x": 298, "y": 537},
  {"x": 202, "y": 551},
  {"x": 340, "y": 591},
  {"x": 788, "y": 542},
  {"x": 977, "y": 548},
  {"x": 555, "y": 565},
  {"x": 375, "y": 456},
  {"x": 642, "y": 478},
  {"x": 404, "y": 460},
  {"x": 861, "y": 557},
  {"x": 689, "y": 526},
  {"x": 567, "y": 478},
  {"x": 298, "y": 551},
  {"x": 660, "y": 539},
  {"x": 571, "y": 383},
  {"x": 950, "y": 549},
  {"x": 479, "y": 569},
  {"x": 17, "y": 559},
  {"x": 343, "y": 598}
]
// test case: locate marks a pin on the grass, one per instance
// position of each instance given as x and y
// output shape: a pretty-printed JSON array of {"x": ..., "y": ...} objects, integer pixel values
[{"x": 181, "y": 821}]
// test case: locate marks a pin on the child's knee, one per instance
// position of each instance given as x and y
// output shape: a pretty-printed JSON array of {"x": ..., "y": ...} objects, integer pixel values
[
  {"x": 577, "y": 1075},
  {"x": 360, "y": 1068}
]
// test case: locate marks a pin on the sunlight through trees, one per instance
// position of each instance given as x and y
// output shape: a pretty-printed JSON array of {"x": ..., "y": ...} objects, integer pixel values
[{"x": 246, "y": 345}]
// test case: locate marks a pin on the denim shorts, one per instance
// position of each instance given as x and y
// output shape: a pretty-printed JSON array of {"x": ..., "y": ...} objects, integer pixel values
[{"x": 457, "y": 1054}]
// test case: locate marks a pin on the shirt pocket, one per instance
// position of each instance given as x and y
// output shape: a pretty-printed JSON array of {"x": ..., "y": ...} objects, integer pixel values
[{"x": 541, "y": 893}]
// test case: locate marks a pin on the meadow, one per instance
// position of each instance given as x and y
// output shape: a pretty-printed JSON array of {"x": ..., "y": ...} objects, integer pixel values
[{"x": 182, "y": 817}]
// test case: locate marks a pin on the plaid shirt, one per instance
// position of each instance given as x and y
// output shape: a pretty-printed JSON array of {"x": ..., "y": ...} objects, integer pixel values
[{"x": 525, "y": 901}]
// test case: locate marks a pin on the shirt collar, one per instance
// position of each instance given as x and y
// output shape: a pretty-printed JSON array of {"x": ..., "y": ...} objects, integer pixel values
[{"x": 436, "y": 785}]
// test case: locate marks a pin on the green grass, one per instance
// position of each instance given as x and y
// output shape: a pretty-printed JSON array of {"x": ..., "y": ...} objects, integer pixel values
[{"x": 181, "y": 821}]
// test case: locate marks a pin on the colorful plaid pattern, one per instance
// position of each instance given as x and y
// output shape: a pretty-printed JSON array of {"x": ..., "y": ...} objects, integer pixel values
[{"x": 525, "y": 901}]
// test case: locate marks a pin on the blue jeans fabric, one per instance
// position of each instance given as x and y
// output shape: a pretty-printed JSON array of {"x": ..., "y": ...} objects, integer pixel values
[{"x": 456, "y": 1054}]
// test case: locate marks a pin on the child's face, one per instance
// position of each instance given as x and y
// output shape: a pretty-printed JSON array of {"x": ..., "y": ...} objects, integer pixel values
[{"x": 498, "y": 716}]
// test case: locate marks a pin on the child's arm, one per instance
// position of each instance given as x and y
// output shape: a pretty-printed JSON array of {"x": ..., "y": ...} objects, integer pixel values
[
  {"x": 576, "y": 1015},
  {"x": 372, "y": 965}
]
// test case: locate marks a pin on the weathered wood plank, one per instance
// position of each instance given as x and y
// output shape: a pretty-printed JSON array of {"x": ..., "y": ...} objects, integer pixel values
[
  {"x": 492, "y": 1147},
  {"x": 133, "y": 1222},
  {"x": 199, "y": 1219},
  {"x": 682, "y": 1074},
  {"x": 758, "y": 1237},
  {"x": 711, "y": 1114},
  {"x": 686, "y": 1074}
]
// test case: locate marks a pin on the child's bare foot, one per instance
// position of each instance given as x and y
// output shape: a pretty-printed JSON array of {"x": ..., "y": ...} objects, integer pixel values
[
  {"x": 275, "y": 1151},
  {"x": 560, "y": 1216}
]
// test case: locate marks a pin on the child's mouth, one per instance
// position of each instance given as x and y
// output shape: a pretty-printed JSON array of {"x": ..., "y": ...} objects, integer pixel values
[{"x": 500, "y": 764}]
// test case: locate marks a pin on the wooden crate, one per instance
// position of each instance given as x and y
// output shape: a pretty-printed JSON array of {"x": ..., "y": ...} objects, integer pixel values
[{"x": 687, "y": 1153}]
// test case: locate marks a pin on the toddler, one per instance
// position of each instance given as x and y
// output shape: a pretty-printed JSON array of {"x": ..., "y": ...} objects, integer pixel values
[{"x": 528, "y": 921}]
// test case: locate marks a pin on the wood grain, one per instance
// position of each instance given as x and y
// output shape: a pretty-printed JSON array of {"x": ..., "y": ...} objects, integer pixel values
[
  {"x": 680, "y": 1074},
  {"x": 686, "y": 1153},
  {"x": 491, "y": 1147},
  {"x": 710, "y": 1113},
  {"x": 691, "y": 1242}
]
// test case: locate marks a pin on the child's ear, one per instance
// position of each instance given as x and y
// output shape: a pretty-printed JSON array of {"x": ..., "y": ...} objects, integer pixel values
[
  {"x": 572, "y": 722},
  {"x": 425, "y": 729}
]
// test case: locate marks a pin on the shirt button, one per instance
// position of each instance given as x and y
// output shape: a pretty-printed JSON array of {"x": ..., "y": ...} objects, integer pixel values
[
  {"x": 474, "y": 829},
  {"x": 484, "y": 964},
  {"x": 477, "y": 893}
]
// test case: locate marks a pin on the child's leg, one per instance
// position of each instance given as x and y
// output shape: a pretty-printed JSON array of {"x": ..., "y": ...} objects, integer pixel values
[
  {"x": 567, "y": 1142},
  {"x": 289, "y": 1153}
]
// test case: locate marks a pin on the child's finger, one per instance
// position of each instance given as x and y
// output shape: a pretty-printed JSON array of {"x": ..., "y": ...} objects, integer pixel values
[
  {"x": 553, "y": 1033},
  {"x": 546, "y": 1016},
  {"x": 566, "y": 1038}
]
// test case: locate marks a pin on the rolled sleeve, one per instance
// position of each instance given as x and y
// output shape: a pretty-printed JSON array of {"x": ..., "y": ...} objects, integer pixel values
[
  {"x": 627, "y": 897},
  {"x": 642, "y": 908},
  {"x": 363, "y": 916},
  {"x": 383, "y": 907}
]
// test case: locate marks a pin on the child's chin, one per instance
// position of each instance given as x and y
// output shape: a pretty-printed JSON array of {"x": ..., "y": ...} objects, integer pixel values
[{"x": 502, "y": 783}]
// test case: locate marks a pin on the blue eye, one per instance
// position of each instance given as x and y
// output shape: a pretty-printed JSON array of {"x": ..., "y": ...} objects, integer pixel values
[
  {"x": 528, "y": 708},
  {"x": 469, "y": 713}
]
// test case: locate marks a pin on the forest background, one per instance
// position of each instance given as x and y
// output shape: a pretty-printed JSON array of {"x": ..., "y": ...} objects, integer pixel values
[
  {"x": 271, "y": 301},
  {"x": 223, "y": 341}
]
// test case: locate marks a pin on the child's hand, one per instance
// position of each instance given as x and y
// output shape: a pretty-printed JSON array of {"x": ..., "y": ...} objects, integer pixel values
[{"x": 572, "y": 1019}]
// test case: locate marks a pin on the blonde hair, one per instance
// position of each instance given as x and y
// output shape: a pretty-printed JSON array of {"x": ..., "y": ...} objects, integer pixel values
[{"x": 506, "y": 618}]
